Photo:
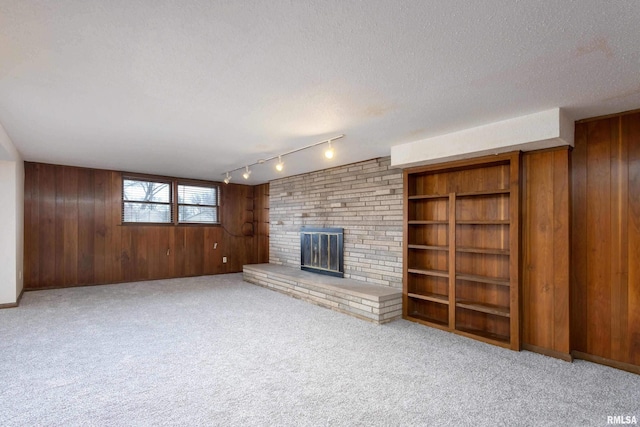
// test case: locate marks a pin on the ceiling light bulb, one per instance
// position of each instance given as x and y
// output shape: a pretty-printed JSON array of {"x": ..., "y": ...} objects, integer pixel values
[
  {"x": 247, "y": 173},
  {"x": 329, "y": 153},
  {"x": 227, "y": 178},
  {"x": 280, "y": 165}
]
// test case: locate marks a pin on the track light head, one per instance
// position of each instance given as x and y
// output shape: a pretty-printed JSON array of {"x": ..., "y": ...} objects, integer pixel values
[
  {"x": 247, "y": 173},
  {"x": 329, "y": 152},
  {"x": 227, "y": 179},
  {"x": 280, "y": 165}
]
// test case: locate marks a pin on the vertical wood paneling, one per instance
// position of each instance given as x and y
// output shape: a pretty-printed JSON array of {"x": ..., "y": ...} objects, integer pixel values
[
  {"x": 605, "y": 239},
  {"x": 139, "y": 249},
  {"x": 514, "y": 244},
  {"x": 630, "y": 131},
  {"x": 115, "y": 209},
  {"x": 70, "y": 251},
  {"x": 194, "y": 239},
  {"x": 619, "y": 241},
  {"x": 238, "y": 237},
  {"x": 545, "y": 247},
  {"x": 74, "y": 235},
  {"x": 162, "y": 253},
  {"x": 86, "y": 231},
  {"x": 579, "y": 240},
  {"x": 561, "y": 252},
  {"x": 537, "y": 302},
  {"x": 179, "y": 260},
  {"x": 212, "y": 250},
  {"x": 599, "y": 238},
  {"x": 261, "y": 222},
  {"x": 46, "y": 225},
  {"x": 127, "y": 259},
  {"x": 451, "y": 261},
  {"x": 154, "y": 254},
  {"x": 100, "y": 214},
  {"x": 59, "y": 225},
  {"x": 28, "y": 232},
  {"x": 171, "y": 258},
  {"x": 32, "y": 189}
]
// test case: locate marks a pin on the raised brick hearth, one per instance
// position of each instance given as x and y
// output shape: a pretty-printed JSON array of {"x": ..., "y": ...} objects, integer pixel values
[{"x": 378, "y": 304}]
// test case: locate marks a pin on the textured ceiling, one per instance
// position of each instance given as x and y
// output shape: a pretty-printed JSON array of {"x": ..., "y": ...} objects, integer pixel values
[{"x": 195, "y": 88}]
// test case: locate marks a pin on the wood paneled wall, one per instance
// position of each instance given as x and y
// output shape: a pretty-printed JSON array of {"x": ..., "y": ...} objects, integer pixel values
[
  {"x": 605, "y": 271},
  {"x": 545, "y": 252},
  {"x": 74, "y": 236},
  {"x": 261, "y": 221}
]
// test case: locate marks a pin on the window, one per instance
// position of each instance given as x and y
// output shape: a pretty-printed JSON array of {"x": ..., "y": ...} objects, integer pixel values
[
  {"x": 198, "y": 204},
  {"x": 146, "y": 201},
  {"x": 161, "y": 200}
]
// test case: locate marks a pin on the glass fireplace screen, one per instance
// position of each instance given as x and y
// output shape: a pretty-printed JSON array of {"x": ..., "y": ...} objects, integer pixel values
[{"x": 321, "y": 250}]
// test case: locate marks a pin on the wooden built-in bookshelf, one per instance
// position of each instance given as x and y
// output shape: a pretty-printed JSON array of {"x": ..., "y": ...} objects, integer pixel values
[{"x": 461, "y": 260}]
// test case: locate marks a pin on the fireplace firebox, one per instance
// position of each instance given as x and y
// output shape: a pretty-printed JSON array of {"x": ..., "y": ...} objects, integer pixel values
[{"x": 321, "y": 250}]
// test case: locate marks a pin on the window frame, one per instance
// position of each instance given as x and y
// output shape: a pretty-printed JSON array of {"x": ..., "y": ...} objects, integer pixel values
[
  {"x": 173, "y": 199},
  {"x": 195, "y": 183},
  {"x": 147, "y": 178}
]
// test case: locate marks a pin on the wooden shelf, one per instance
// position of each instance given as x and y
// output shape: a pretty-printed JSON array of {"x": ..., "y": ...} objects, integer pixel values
[
  {"x": 498, "y": 339},
  {"x": 429, "y": 247},
  {"x": 428, "y": 196},
  {"x": 463, "y": 194},
  {"x": 483, "y": 222},
  {"x": 440, "y": 299},
  {"x": 483, "y": 193},
  {"x": 484, "y": 308},
  {"x": 486, "y": 251},
  {"x": 483, "y": 279},
  {"x": 427, "y": 222},
  {"x": 427, "y": 319},
  {"x": 436, "y": 273}
]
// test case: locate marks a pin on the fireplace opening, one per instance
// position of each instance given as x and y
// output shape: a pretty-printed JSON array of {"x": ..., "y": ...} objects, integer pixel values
[{"x": 321, "y": 250}]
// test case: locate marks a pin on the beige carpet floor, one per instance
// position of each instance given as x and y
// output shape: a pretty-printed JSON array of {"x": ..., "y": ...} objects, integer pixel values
[{"x": 218, "y": 351}]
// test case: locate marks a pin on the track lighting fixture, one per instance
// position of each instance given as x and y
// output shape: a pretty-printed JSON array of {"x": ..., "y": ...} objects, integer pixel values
[
  {"x": 329, "y": 153},
  {"x": 247, "y": 173}
]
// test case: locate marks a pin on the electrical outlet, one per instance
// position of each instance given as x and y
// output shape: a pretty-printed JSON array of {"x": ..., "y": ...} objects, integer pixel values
[{"x": 224, "y": 259}]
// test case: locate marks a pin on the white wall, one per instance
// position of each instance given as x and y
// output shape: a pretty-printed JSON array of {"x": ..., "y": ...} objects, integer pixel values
[{"x": 11, "y": 220}]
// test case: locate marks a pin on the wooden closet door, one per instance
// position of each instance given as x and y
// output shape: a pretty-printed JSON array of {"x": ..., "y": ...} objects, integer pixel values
[{"x": 605, "y": 271}]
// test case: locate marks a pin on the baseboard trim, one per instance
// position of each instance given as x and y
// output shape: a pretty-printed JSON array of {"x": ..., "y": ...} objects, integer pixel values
[
  {"x": 635, "y": 369},
  {"x": 8, "y": 305},
  {"x": 13, "y": 304},
  {"x": 567, "y": 357}
]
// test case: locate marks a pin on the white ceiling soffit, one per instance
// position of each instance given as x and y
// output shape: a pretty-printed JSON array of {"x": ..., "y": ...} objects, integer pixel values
[
  {"x": 196, "y": 88},
  {"x": 537, "y": 131}
]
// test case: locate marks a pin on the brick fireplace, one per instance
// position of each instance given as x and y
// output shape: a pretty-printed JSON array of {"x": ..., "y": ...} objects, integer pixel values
[{"x": 364, "y": 198}]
